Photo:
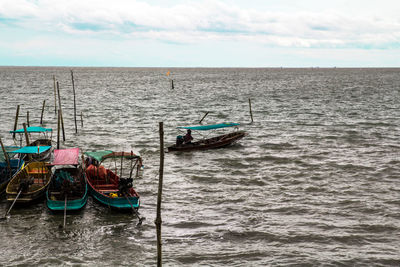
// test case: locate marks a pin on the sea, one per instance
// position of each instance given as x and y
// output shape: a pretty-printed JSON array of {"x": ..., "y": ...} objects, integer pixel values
[{"x": 316, "y": 181}]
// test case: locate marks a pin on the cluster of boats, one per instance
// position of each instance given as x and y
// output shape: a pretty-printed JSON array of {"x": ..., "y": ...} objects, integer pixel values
[
  {"x": 66, "y": 179},
  {"x": 27, "y": 174}
]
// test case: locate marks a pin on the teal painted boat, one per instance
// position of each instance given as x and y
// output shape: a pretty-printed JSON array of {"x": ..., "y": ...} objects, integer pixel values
[
  {"x": 68, "y": 189},
  {"x": 109, "y": 187}
]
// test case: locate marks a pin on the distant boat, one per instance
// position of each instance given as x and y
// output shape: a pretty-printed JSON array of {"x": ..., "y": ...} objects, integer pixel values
[
  {"x": 29, "y": 184},
  {"x": 209, "y": 143},
  {"x": 68, "y": 189},
  {"x": 108, "y": 187},
  {"x": 7, "y": 173},
  {"x": 42, "y": 138}
]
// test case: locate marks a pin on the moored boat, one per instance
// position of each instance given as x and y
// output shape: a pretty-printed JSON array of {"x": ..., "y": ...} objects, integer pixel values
[
  {"x": 42, "y": 137},
  {"x": 29, "y": 184},
  {"x": 109, "y": 187},
  {"x": 68, "y": 189},
  {"x": 208, "y": 143}
]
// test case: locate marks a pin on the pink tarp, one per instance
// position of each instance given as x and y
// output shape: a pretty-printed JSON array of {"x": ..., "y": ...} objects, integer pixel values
[{"x": 67, "y": 156}]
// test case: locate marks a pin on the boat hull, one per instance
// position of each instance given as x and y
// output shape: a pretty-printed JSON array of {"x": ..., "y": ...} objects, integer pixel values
[
  {"x": 39, "y": 177},
  {"x": 211, "y": 143},
  {"x": 76, "y": 199}
]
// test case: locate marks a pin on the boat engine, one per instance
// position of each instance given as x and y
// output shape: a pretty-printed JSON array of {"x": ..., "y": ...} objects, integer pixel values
[
  {"x": 24, "y": 185},
  {"x": 124, "y": 185}
]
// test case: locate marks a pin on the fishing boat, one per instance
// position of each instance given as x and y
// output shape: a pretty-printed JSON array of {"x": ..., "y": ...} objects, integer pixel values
[
  {"x": 8, "y": 171},
  {"x": 68, "y": 189},
  {"x": 29, "y": 184},
  {"x": 42, "y": 136},
  {"x": 110, "y": 187},
  {"x": 208, "y": 143}
]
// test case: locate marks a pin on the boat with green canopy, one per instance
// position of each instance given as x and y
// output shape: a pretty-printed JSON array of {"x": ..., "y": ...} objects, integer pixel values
[
  {"x": 108, "y": 184},
  {"x": 9, "y": 166},
  {"x": 68, "y": 189},
  {"x": 42, "y": 137},
  {"x": 184, "y": 143}
]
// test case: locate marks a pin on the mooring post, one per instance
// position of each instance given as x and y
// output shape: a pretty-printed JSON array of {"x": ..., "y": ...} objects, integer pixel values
[
  {"x": 27, "y": 139},
  {"x": 58, "y": 129},
  {"x": 6, "y": 158},
  {"x": 60, "y": 110},
  {"x": 16, "y": 121},
  {"x": 160, "y": 183},
  {"x": 203, "y": 117},
  {"x": 251, "y": 113},
  {"x": 73, "y": 89},
  {"x": 172, "y": 84},
  {"x": 41, "y": 117},
  {"x": 81, "y": 120},
  {"x": 55, "y": 95},
  {"x": 27, "y": 118}
]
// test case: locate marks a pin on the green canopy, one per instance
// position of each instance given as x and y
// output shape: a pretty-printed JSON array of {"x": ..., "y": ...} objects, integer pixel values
[
  {"x": 32, "y": 149},
  {"x": 209, "y": 127},
  {"x": 105, "y": 154},
  {"x": 98, "y": 155},
  {"x": 33, "y": 129}
]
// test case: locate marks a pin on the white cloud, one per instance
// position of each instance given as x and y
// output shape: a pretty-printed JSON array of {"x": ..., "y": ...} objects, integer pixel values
[{"x": 200, "y": 21}]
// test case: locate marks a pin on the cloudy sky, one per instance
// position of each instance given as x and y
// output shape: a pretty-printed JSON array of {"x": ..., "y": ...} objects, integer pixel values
[{"x": 200, "y": 33}]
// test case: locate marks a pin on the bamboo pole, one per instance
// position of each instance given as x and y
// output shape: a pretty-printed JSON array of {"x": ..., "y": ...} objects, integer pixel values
[
  {"x": 58, "y": 130},
  {"x": 55, "y": 95},
  {"x": 27, "y": 139},
  {"x": 60, "y": 110},
  {"x": 6, "y": 157},
  {"x": 251, "y": 113},
  {"x": 16, "y": 121},
  {"x": 203, "y": 117},
  {"x": 27, "y": 118},
  {"x": 160, "y": 182},
  {"x": 73, "y": 89},
  {"x": 41, "y": 116}
]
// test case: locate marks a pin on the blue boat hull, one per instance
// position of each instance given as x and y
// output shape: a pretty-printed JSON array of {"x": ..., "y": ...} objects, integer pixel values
[
  {"x": 115, "y": 203},
  {"x": 72, "y": 205}
]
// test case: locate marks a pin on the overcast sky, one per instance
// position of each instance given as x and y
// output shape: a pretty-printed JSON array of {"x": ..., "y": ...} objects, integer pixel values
[{"x": 197, "y": 33}]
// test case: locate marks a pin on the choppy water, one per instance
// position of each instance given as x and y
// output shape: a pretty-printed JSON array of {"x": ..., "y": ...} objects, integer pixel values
[{"x": 316, "y": 182}]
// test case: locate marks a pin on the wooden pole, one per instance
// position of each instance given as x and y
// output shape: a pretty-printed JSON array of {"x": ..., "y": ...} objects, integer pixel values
[
  {"x": 172, "y": 84},
  {"x": 73, "y": 89},
  {"x": 203, "y": 117},
  {"x": 81, "y": 120},
  {"x": 60, "y": 110},
  {"x": 27, "y": 118},
  {"x": 251, "y": 113},
  {"x": 16, "y": 121},
  {"x": 41, "y": 116},
  {"x": 55, "y": 95},
  {"x": 26, "y": 134},
  {"x": 160, "y": 182},
  {"x": 6, "y": 157},
  {"x": 58, "y": 129}
]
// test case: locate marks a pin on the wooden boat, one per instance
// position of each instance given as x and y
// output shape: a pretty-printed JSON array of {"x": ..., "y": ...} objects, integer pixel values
[
  {"x": 68, "y": 189},
  {"x": 209, "y": 143},
  {"x": 7, "y": 172},
  {"x": 42, "y": 137},
  {"x": 107, "y": 186},
  {"x": 29, "y": 184}
]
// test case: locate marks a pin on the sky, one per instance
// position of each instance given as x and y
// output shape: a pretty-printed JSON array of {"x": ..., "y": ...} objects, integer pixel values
[{"x": 200, "y": 33}]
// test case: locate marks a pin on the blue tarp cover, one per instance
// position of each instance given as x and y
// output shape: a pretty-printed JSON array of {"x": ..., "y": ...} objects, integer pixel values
[
  {"x": 33, "y": 129},
  {"x": 209, "y": 127},
  {"x": 32, "y": 149}
]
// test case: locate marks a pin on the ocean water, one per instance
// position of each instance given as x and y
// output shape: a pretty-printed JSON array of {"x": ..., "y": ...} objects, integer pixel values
[{"x": 315, "y": 183}]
